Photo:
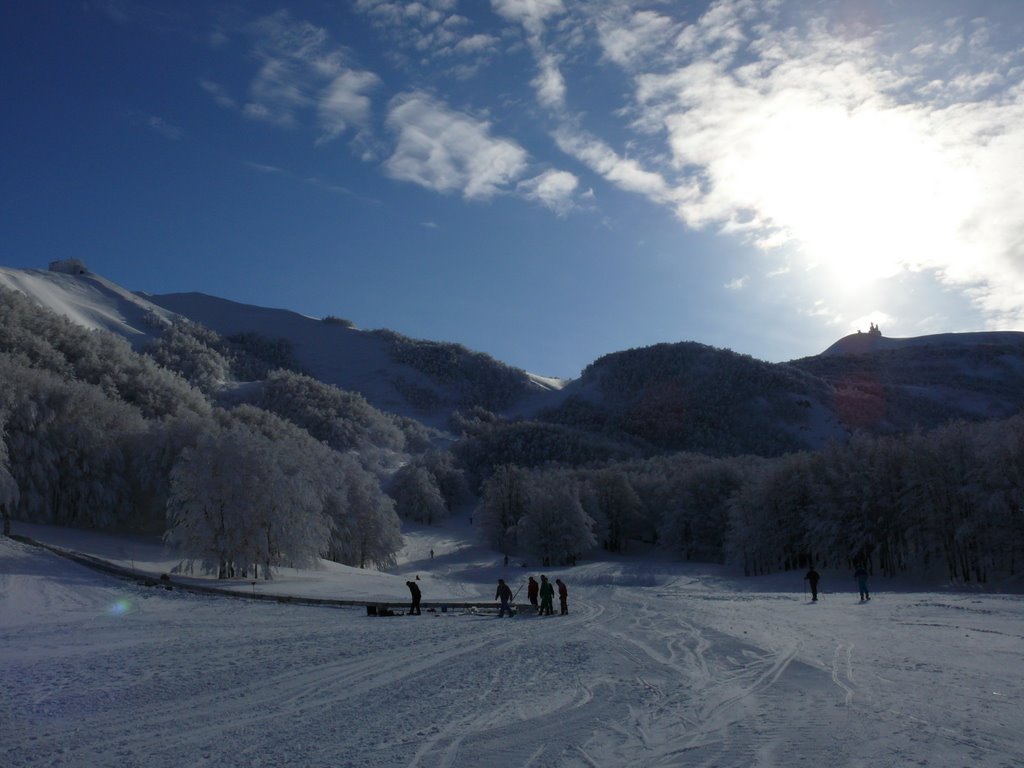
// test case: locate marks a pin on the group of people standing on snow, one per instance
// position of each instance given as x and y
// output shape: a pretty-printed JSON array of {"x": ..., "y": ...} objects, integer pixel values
[
  {"x": 546, "y": 593},
  {"x": 541, "y": 595},
  {"x": 861, "y": 575}
]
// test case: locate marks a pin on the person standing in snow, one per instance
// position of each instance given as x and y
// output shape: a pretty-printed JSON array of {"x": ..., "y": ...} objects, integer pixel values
[
  {"x": 563, "y": 596},
  {"x": 416, "y": 595},
  {"x": 504, "y": 594},
  {"x": 861, "y": 575},
  {"x": 532, "y": 589},
  {"x": 812, "y": 578},
  {"x": 547, "y": 594}
]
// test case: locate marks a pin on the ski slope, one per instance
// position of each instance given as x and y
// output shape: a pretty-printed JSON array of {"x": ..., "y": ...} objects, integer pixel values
[{"x": 657, "y": 664}]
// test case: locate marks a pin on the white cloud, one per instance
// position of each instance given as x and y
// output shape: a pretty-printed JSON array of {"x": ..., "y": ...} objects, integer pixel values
[
  {"x": 448, "y": 151},
  {"x": 636, "y": 37},
  {"x": 625, "y": 173},
  {"x": 530, "y": 13},
  {"x": 159, "y": 126},
  {"x": 218, "y": 92},
  {"x": 430, "y": 31},
  {"x": 549, "y": 83},
  {"x": 863, "y": 153},
  {"x": 553, "y": 189},
  {"x": 303, "y": 70},
  {"x": 738, "y": 284},
  {"x": 344, "y": 102}
]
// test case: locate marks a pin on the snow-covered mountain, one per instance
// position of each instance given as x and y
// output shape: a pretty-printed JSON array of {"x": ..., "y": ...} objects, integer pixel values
[
  {"x": 70, "y": 289},
  {"x": 423, "y": 380},
  {"x": 679, "y": 396}
]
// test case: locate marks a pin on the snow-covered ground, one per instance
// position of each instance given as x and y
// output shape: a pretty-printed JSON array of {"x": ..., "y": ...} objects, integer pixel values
[{"x": 657, "y": 664}]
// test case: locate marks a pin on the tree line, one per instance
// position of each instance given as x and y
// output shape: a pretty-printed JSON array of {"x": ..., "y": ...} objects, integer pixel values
[{"x": 947, "y": 504}]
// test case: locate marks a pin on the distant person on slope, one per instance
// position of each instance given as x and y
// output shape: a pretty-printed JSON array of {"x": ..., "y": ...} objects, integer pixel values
[
  {"x": 532, "y": 589},
  {"x": 547, "y": 594},
  {"x": 861, "y": 575},
  {"x": 416, "y": 595},
  {"x": 504, "y": 594},
  {"x": 812, "y": 578},
  {"x": 563, "y": 596}
]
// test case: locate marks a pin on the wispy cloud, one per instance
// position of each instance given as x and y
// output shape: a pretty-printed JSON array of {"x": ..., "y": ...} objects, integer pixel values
[
  {"x": 814, "y": 131},
  {"x": 449, "y": 151},
  {"x": 158, "y": 125},
  {"x": 553, "y": 189},
  {"x": 738, "y": 284},
  {"x": 302, "y": 72},
  {"x": 431, "y": 30},
  {"x": 218, "y": 92}
]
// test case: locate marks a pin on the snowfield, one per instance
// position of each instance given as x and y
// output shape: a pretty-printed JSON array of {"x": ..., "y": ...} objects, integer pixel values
[{"x": 657, "y": 664}]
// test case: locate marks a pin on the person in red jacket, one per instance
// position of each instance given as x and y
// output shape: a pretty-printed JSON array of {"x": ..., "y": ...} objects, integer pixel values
[
  {"x": 563, "y": 596},
  {"x": 532, "y": 590}
]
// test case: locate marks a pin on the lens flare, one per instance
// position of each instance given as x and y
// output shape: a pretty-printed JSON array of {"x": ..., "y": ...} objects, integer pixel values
[{"x": 120, "y": 607}]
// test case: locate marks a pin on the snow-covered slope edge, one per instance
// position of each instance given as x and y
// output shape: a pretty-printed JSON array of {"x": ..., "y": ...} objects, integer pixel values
[{"x": 87, "y": 299}]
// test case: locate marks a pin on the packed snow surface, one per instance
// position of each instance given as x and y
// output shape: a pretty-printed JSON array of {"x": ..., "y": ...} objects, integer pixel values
[{"x": 656, "y": 664}]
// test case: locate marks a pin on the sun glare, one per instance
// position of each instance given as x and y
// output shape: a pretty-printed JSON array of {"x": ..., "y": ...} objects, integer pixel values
[{"x": 865, "y": 194}]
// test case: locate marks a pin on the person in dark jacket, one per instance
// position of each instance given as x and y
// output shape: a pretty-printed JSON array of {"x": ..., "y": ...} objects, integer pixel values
[
  {"x": 812, "y": 577},
  {"x": 563, "y": 596},
  {"x": 504, "y": 594},
  {"x": 532, "y": 590},
  {"x": 416, "y": 595},
  {"x": 861, "y": 575},
  {"x": 547, "y": 594}
]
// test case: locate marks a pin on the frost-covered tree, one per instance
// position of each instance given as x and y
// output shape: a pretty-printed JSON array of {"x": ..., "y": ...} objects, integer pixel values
[
  {"x": 417, "y": 496},
  {"x": 67, "y": 443},
  {"x": 450, "y": 478},
  {"x": 366, "y": 531},
  {"x": 344, "y": 420},
  {"x": 8, "y": 486},
  {"x": 696, "y": 522},
  {"x": 617, "y": 506},
  {"x": 502, "y": 505},
  {"x": 241, "y": 499},
  {"x": 555, "y": 529}
]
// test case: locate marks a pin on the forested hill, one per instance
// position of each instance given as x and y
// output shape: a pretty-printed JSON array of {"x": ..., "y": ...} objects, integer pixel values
[
  {"x": 667, "y": 397},
  {"x": 908, "y": 456},
  {"x": 426, "y": 380}
]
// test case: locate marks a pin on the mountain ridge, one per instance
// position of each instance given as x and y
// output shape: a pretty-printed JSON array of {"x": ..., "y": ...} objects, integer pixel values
[{"x": 673, "y": 395}]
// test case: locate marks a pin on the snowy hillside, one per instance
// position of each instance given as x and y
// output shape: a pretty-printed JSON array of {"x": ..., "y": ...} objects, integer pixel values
[
  {"x": 679, "y": 396},
  {"x": 865, "y": 343},
  {"x": 657, "y": 665},
  {"x": 345, "y": 357},
  {"x": 94, "y": 302}
]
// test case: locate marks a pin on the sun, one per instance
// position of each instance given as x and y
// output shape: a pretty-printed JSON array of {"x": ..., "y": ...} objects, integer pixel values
[{"x": 863, "y": 194}]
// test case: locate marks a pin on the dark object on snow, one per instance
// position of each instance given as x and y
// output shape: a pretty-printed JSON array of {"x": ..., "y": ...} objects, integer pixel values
[
  {"x": 504, "y": 594},
  {"x": 563, "y": 596},
  {"x": 547, "y": 594},
  {"x": 812, "y": 577},
  {"x": 415, "y": 590},
  {"x": 532, "y": 590},
  {"x": 861, "y": 575}
]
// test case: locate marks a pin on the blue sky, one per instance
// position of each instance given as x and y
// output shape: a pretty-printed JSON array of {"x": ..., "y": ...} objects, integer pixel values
[{"x": 545, "y": 181}]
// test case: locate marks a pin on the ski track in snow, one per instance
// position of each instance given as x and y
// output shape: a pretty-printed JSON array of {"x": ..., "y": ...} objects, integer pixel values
[{"x": 99, "y": 672}]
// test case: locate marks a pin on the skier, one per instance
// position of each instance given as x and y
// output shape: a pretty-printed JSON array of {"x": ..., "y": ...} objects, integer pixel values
[
  {"x": 504, "y": 594},
  {"x": 531, "y": 592},
  {"x": 416, "y": 595},
  {"x": 812, "y": 577},
  {"x": 861, "y": 575},
  {"x": 563, "y": 596},
  {"x": 547, "y": 593}
]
